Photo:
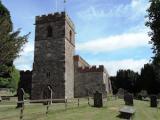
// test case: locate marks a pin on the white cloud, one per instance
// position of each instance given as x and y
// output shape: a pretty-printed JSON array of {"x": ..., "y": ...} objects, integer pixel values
[
  {"x": 136, "y": 9},
  {"x": 91, "y": 12},
  {"x": 25, "y": 61},
  {"x": 29, "y": 47},
  {"x": 128, "y": 40},
  {"x": 131, "y": 11},
  {"x": 140, "y": 5},
  {"x": 113, "y": 66}
]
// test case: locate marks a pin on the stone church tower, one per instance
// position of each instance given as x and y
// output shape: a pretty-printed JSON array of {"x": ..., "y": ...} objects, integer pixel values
[{"x": 53, "y": 57}]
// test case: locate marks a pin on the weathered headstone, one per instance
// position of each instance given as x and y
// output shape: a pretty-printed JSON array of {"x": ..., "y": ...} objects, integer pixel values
[
  {"x": 153, "y": 102},
  {"x": 98, "y": 100},
  {"x": 127, "y": 112},
  {"x": 120, "y": 93},
  {"x": 20, "y": 95},
  {"x": 128, "y": 98}
]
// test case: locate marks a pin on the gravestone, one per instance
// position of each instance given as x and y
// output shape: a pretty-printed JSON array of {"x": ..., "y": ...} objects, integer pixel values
[
  {"x": 128, "y": 98},
  {"x": 20, "y": 94},
  {"x": 127, "y": 112},
  {"x": 153, "y": 101},
  {"x": 120, "y": 93},
  {"x": 98, "y": 100}
]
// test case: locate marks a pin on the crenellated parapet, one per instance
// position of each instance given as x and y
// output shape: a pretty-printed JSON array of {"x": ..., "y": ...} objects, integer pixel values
[
  {"x": 27, "y": 72},
  {"x": 100, "y": 68},
  {"x": 50, "y": 18},
  {"x": 57, "y": 16},
  {"x": 54, "y": 15}
]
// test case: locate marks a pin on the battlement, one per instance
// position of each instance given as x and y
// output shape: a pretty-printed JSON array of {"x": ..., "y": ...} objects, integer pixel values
[
  {"x": 57, "y": 16},
  {"x": 54, "y": 15},
  {"x": 22, "y": 72},
  {"x": 94, "y": 68}
]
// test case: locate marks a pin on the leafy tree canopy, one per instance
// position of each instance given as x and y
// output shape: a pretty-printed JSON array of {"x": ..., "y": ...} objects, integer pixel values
[
  {"x": 154, "y": 24},
  {"x": 5, "y": 20},
  {"x": 11, "y": 43}
]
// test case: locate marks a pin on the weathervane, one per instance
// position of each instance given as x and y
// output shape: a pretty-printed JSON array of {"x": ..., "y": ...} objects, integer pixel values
[
  {"x": 57, "y": 5},
  {"x": 64, "y": 5}
]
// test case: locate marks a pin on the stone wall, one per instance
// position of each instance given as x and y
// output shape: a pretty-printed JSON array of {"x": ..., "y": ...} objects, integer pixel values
[
  {"x": 69, "y": 53},
  {"x": 55, "y": 65},
  {"x": 53, "y": 56},
  {"x": 89, "y": 79},
  {"x": 25, "y": 81}
]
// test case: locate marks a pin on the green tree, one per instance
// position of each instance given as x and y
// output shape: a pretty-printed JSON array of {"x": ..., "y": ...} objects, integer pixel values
[
  {"x": 11, "y": 43},
  {"x": 5, "y": 20},
  {"x": 125, "y": 79},
  {"x": 154, "y": 24},
  {"x": 148, "y": 81},
  {"x": 11, "y": 81}
]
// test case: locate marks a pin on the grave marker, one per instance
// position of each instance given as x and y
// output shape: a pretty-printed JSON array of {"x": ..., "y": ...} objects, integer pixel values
[
  {"x": 153, "y": 102},
  {"x": 128, "y": 98},
  {"x": 98, "y": 100}
]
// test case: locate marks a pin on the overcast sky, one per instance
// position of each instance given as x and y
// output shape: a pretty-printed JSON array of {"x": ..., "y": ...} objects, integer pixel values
[{"x": 109, "y": 32}]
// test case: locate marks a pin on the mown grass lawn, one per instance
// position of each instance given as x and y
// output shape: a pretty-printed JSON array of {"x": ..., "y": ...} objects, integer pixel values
[{"x": 57, "y": 111}]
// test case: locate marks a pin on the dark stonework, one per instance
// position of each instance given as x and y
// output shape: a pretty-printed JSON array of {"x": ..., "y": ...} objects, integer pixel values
[
  {"x": 98, "y": 99},
  {"x": 53, "y": 56},
  {"x": 128, "y": 98},
  {"x": 25, "y": 81},
  {"x": 153, "y": 101},
  {"x": 56, "y": 66}
]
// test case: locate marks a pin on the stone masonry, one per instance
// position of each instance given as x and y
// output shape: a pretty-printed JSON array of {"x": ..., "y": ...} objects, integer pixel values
[
  {"x": 55, "y": 65},
  {"x": 89, "y": 79},
  {"x": 53, "y": 56},
  {"x": 25, "y": 81}
]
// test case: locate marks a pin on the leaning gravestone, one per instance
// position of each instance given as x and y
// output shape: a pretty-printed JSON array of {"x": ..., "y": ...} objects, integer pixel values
[
  {"x": 98, "y": 100},
  {"x": 153, "y": 102},
  {"x": 128, "y": 98}
]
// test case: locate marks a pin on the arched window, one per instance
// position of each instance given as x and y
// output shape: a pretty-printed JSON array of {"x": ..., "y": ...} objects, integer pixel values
[
  {"x": 70, "y": 35},
  {"x": 49, "y": 31}
]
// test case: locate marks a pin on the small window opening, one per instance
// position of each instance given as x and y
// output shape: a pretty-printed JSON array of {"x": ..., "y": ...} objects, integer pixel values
[
  {"x": 49, "y": 31},
  {"x": 70, "y": 35}
]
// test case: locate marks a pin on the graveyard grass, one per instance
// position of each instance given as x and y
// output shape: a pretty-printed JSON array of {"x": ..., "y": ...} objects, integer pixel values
[{"x": 57, "y": 111}]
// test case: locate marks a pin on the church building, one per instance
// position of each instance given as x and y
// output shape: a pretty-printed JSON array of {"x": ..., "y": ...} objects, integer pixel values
[{"x": 57, "y": 67}]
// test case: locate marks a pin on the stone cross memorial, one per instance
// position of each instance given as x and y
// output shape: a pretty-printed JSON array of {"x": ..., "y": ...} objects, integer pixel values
[
  {"x": 128, "y": 98},
  {"x": 98, "y": 100},
  {"x": 153, "y": 102}
]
